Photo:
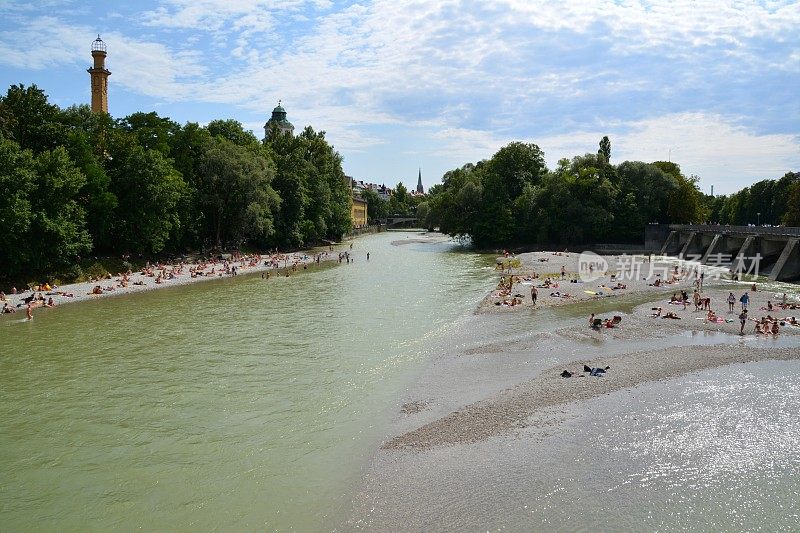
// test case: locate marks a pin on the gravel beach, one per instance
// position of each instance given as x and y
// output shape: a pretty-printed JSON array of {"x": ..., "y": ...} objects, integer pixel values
[
  {"x": 138, "y": 281},
  {"x": 498, "y": 383}
]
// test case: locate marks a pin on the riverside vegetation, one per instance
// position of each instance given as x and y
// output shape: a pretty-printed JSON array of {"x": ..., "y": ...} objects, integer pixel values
[
  {"x": 74, "y": 183},
  {"x": 514, "y": 199}
]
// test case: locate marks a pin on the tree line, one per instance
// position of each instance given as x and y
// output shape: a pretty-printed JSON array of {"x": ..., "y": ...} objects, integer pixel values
[
  {"x": 74, "y": 182},
  {"x": 514, "y": 199},
  {"x": 400, "y": 203}
]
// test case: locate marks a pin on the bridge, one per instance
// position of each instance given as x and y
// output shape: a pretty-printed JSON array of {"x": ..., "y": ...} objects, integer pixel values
[
  {"x": 769, "y": 251},
  {"x": 400, "y": 222}
]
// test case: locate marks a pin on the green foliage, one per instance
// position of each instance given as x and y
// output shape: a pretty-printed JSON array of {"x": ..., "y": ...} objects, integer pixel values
[
  {"x": 513, "y": 198},
  {"x": 42, "y": 225},
  {"x": 233, "y": 190},
  {"x": 149, "y": 191},
  {"x": 150, "y": 131},
  {"x": 377, "y": 207},
  {"x": 72, "y": 180},
  {"x": 604, "y": 153},
  {"x": 233, "y": 131},
  {"x": 315, "y": 198},
  {"x": 792, "y": 215},
  {"x": 28, "y": 119},
  {"x": 770, "y": 198}
]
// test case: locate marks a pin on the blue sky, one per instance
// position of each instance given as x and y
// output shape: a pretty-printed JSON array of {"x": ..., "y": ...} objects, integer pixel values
[{"x": 399, "y": 85}]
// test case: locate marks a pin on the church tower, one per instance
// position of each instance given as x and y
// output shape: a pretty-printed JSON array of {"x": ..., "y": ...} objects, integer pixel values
[
  {"x": 279, "y": 122},
  {"x": 420, "y": 189},
  {"x": 99, "y": 75}
]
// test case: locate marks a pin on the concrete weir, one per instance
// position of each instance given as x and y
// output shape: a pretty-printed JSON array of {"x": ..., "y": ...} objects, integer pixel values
[{"x": 767, "y": 251}]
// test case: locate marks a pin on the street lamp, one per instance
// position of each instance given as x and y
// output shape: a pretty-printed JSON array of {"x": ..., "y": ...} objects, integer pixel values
[{"x": 759, "y": 218}]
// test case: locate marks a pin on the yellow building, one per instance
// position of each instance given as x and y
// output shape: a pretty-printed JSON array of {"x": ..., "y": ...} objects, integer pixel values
[
  {"x": 99, "y": 74},
  {"x": 359, "y": 212}
]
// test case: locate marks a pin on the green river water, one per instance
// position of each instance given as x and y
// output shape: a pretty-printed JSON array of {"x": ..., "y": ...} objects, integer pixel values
[{"x": 233, "y": 404}]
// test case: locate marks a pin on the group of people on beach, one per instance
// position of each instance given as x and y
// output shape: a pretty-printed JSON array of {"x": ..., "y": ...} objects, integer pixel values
[{"x": 161, "y": 273}]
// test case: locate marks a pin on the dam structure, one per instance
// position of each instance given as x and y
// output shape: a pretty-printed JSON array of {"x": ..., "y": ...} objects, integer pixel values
[{"x": 763, "y": 250}]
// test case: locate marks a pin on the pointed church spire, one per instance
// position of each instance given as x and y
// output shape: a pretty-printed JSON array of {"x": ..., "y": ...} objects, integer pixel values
[{"x": 420, "y": 190}]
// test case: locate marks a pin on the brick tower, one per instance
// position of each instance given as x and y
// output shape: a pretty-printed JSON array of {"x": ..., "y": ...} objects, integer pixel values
[{"x": 99, "y": 75}]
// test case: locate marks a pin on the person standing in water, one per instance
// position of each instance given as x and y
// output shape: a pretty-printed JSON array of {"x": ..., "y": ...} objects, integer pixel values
[
  {"x": 367, "y": 256},
  {"x": 534, "y": 294},
  {"x": 29, "y": 311}
]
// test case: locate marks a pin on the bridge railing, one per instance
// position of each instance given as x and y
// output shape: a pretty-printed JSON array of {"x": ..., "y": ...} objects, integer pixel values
[{"x": 751, "y": 230}]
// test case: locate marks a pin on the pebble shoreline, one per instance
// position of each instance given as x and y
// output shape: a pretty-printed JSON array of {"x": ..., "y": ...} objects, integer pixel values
[{"x": 83, "y": 291}]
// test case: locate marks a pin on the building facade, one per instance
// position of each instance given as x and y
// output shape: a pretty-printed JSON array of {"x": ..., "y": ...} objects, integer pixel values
[
  {"x": 99, "y": 75},
  {"x": 358, "y": 212}
]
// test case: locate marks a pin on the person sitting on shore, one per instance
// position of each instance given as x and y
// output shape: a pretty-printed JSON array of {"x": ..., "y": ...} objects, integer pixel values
[
  {"x": 710, "y": 316},
  {"x": 7, "y": 309},
  {"x": 97, "y": 290},
  {"x": 50, "y": 302},
  {"x": 657, "y": 312}
]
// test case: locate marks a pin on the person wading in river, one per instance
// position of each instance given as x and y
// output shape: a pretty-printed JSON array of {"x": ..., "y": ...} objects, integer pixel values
[{"x": 534, "y": 294}]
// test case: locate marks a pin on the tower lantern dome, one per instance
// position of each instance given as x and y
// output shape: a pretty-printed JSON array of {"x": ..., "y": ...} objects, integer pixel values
[{"x": 98, "y": 45}]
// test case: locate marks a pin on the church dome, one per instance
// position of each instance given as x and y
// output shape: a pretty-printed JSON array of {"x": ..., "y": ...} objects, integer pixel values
[{"x": 278, "y": 120}]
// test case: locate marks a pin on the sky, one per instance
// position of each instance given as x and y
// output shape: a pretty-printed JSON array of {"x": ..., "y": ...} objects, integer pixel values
[{"x": 401, "y": 85}]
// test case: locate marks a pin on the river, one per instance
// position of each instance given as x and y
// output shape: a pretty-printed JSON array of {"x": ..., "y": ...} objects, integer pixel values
[
  {"x": 234, "y": 404},
  {"x": 251, "y": 404}
]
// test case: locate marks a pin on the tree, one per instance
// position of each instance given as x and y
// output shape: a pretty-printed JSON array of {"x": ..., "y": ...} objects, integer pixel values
[
  {"x": 27, "y": 118},
  {"x": 42, "y": 226},
  {"x": 686, "y": 203},
  {"x": 95, "y": 196},
  {"x": 604, "y": 153},
  {"x": 377, "y": 207},
  {"x": 401, "y": 199},
  {"x": 792, "y": 215},
  {"x": 150, "y": 192},
  {"x": 17, "y": 182},
  {"x": 233, "y": 131},
  {"x": 514, "y": 166},
  {"x": 235, "y": 193},
  {"x": 651, "y": 187},
  {"x": 151, "y": 131}
]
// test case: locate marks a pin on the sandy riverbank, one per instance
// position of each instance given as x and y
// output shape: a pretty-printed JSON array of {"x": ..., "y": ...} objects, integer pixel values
[
  {"x": 620, "y": 275},
  {"x": 500, "y": 377},
  {"x": 160, "y": 276}
]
